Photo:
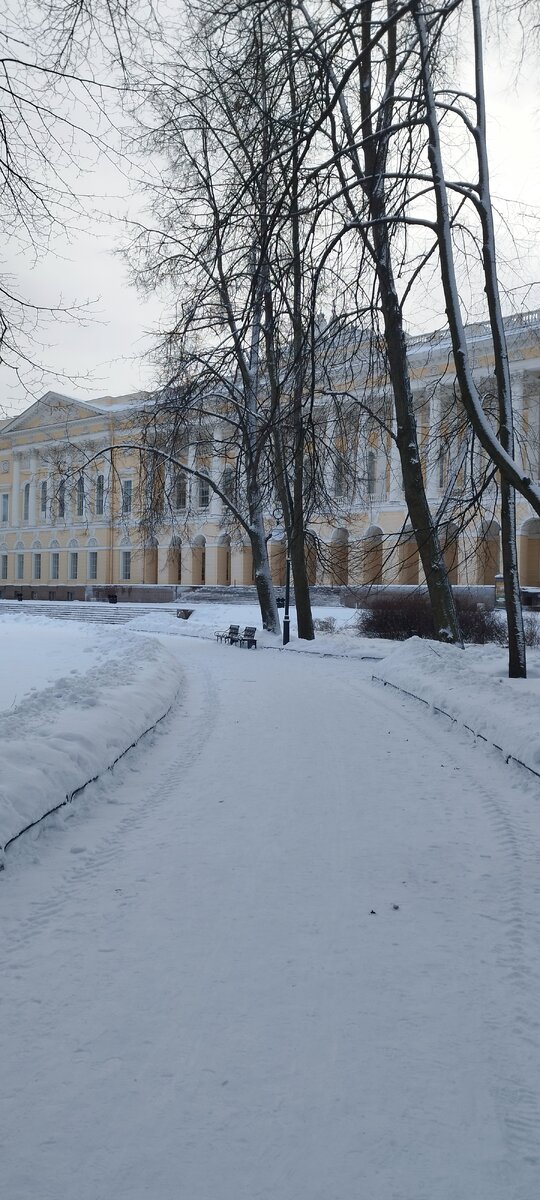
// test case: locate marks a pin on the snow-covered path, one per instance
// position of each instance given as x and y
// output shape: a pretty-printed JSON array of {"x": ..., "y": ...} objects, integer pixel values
[{"x": 197, "y": 1001}]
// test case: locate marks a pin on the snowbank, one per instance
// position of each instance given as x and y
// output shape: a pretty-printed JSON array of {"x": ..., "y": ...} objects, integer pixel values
[
  {"x": 57, "y": 737},
  {"x": 472, "y": 687}
]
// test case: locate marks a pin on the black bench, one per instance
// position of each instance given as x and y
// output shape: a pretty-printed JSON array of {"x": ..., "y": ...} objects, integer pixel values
[
  {"x": 247, "y": 638},
  {"x": 229, "y": 635}
]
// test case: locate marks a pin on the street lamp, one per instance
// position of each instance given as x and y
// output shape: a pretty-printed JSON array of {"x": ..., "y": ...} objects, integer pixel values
[
  {"x": 286, "y": 620},
  {"x": 279, "y": 535}
]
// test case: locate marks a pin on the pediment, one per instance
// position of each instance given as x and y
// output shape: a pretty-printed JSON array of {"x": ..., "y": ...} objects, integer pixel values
[{"x": 52, "y": 409}]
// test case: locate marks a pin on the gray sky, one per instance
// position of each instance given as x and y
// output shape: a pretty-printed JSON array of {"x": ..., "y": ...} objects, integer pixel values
[{"x": 104, "y": 354}]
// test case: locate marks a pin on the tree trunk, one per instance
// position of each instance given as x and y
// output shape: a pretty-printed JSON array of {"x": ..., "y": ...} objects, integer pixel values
[
  {"x": 263, "y": 579},
  {"x": 517, "y": 659},
  {"x": 445, "y": 617}
]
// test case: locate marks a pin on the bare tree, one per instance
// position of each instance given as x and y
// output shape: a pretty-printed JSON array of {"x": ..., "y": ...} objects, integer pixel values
[
  {"x": 58, "y": 96},
  {"x": 364, "y": 56},
  {"x": 498, "y": 443},
  {"x": 234, "y": 242}
]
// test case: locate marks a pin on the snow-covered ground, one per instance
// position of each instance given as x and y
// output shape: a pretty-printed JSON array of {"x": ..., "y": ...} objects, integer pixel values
[
  {"x": 73, "y": 697},
  {"x": 289, "y": 947}
]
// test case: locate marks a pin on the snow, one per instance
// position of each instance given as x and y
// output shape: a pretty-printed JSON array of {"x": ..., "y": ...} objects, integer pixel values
[
  {"x": 73, "y": 698},
  {"x": 288, "y": 947},
  {"x": 472, "y": 686}
]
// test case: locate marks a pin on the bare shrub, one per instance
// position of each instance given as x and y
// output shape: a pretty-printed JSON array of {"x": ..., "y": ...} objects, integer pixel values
[
  {"x": 325, "y": 625},
  {"x": 532, "y": 630},
  {"x": 402, "y": 616}
]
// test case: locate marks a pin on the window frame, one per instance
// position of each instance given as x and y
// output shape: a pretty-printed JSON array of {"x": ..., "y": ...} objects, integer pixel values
[
  {"x": 127, "y": 497},
  {"x": 204, "y": 485},
  {"x": 80, "y": 496},
  {"x": 180, "y": 491},
  {"x": 100, "y": 495}
]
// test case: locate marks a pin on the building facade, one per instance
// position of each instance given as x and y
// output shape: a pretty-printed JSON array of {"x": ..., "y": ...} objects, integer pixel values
[{"x": 71, "y": 490}]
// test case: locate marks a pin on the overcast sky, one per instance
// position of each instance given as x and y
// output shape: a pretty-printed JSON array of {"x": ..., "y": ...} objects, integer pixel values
[{"x": 106, "y": 352}]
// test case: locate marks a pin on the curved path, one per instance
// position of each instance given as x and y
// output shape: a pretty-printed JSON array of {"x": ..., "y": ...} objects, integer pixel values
[{"x": 197, "y": 1000}]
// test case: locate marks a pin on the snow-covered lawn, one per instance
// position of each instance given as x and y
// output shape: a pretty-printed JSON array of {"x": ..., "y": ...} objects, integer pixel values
[
  {"x": 288, "y": 949},
  {"x": 73, "y": 697}
]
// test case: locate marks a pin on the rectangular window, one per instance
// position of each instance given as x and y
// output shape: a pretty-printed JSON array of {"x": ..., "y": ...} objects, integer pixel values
[
  {"x": 5, "y": 508},
  {"x": 127, "y": 490},
  {"x": 62, "y": 498},
  {"x": 92, "y": 564},
  {"x": 180, "y": 491},
  {"x": 3, "y": 565},
  {"x": 100, "y": 494},
  {"x": 43, "y": 498},
  {"x": 73, "y": 564},
  {"x": 55, "y": 565},
  {"x": 204, "y": 493},
  {"x": 26, "y": 502},
  {"x": 80, "y": 496},
  {"x": 20, "y": 566},
  {"x": 37, "y": 566},
  {"x": 126, "y": 564}
]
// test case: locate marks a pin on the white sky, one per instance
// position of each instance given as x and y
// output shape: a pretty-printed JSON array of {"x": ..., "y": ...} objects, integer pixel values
[{"x": 106, "y": 352}]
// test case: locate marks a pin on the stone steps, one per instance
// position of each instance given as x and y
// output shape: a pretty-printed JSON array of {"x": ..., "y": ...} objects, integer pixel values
[{"x": 100, "y": 614}]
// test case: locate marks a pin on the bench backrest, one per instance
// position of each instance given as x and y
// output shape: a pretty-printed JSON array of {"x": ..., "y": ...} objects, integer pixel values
[
  {"x": 249, "y": 631},
  {"x": 234, "y": 629}
]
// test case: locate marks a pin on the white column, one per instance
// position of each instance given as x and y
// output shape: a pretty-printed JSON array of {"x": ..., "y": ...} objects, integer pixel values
[
  {"x": 329, "y": 464},
  {"x": 215, "y": 508},
  {"x": 193, "y": 482},
  {"x": 525, "y": 441},
  {"x": 32, "y": 511},
  {"x": 16, "y": 491},
  {"x": 396, "y": 485},
  {"x": 433, "y": 445}
]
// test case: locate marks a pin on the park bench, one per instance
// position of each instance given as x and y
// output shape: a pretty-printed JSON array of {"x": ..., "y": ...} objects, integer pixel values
[
  {"x": 247, "y": 638},
  {"x": 229, "y": 635}
]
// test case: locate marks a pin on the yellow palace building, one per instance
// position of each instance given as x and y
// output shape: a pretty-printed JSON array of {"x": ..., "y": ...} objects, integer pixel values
[{"x": 70, "y": 510}]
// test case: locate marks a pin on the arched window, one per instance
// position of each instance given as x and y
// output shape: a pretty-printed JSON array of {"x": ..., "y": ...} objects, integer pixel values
[{"x": 26, "y": 502}]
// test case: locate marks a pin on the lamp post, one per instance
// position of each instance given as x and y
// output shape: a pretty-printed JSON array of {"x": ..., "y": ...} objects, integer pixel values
[
  {"x": 278, "y": 535},
  {"x": 286, "y": 619}
]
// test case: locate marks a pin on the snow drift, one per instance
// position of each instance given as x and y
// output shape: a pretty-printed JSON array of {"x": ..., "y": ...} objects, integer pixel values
[{"x": 56, "y": 738}]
